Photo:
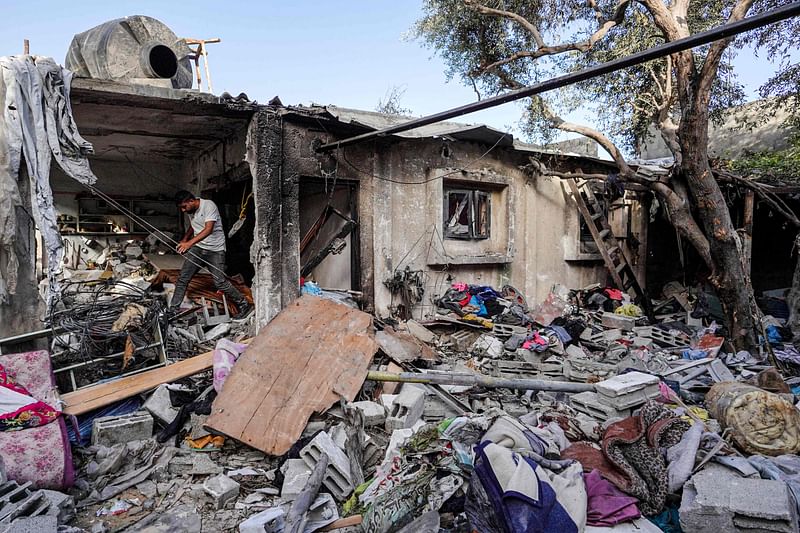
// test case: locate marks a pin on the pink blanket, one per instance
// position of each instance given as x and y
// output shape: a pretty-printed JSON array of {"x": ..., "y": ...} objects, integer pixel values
[{"x": 41, "y": 455}]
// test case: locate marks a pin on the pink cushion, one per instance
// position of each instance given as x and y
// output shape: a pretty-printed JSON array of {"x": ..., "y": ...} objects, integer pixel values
[{"x": 41, "y": 455}]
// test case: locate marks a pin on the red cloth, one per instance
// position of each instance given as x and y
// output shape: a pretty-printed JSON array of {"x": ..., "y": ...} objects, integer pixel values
[{"x": 614, "y": 294}]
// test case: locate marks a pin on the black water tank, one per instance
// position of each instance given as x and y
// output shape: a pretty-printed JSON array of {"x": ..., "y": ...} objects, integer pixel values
[{"x": 131, "y": 47}]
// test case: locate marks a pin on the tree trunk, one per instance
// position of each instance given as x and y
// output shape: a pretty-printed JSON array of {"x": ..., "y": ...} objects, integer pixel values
[{"x": 728, "y": 275}]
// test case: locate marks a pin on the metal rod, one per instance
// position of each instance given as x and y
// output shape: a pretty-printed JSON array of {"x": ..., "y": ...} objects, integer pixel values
[
  {"x": 31, "y": 336},
  {"x": 480, "y": 380},
  {"x": 698, "y": 39},
  {"x": 102, "y": 358}
]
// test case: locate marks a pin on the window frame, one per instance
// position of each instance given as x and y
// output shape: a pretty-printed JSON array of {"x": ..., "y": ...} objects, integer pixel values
[{"x": 474, "y": 198}]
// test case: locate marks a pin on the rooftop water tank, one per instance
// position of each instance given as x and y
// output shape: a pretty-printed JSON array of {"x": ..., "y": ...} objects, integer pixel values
[{"x": 135, "y": 49}]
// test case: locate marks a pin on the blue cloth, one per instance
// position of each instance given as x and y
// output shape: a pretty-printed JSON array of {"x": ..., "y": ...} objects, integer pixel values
[
  {"x": 131, "y": 405},
  {"x": 484, "y": 292},
  {"x": 519, "y": 510},
  {"x": 773, "y": 335},
  {"x": 693, "y": 355},
  {"x": 309, "y": 287}
]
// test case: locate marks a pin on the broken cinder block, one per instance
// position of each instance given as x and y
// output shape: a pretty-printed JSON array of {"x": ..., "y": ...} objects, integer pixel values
[
  {"x": 717, "y": 499},
  {"x": 111, "y": 430},
  {"x": 337, "y": 476},
  {"x": 160, "y": 406},
  {"x": 615, "y": 321},
  {"x": 406, "y": 409},
  {"x": 373, "y": 413},
  {"x": 628, "y": 390},
  {"x": 295, "y": 476},
  {"x": 589, "y": 403},
  {"x": 222, "y": 489}
]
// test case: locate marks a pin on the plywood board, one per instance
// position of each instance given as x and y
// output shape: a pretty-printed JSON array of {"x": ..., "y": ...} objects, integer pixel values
[{"x": 310, "y": 354}]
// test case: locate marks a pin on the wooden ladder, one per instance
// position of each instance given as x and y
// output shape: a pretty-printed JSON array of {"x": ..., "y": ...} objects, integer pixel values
[{"x": 617, "y": 262}]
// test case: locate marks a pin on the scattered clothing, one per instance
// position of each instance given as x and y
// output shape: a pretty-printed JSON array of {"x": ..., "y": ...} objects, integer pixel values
[
  {"x": 607, "y": 505},
  {"x": 634, "y": 445}
]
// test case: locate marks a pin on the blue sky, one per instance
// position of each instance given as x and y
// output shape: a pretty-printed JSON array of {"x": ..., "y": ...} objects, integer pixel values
[{"x": 343, "y": 52}]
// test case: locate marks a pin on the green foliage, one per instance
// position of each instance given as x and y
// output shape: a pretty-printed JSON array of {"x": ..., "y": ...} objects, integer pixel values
[
  {"x": 624, "y": 103},
  {"x": 780, "y": 164}
]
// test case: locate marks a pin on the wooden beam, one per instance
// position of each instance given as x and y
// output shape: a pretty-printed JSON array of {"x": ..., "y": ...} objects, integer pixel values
[
  {"x": 103, "y": 394},
  {"x": 747, "y": 237}
]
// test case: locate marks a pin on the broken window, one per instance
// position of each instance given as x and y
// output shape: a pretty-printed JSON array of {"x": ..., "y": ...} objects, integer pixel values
[{"x": 467, "y": 214}]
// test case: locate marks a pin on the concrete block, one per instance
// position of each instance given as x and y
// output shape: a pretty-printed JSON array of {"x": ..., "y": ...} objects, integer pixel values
[
  {"x": 270, "y": 521},
  {"x": 717, "y": 499},
  {"x": 588, "y": 403},
  {"x": 322, "y": 512},
  {"x": 387, "y": 400},
  {"x": 628, "y": 390},
  {"x": 62, "y": 506},
  {"x": 615, "y": 321},
  {"x": 460, "y": 340},
  {"x": 373, "y": 413},
  {"x": 111, "y": 430},
  {"x": 222, "y": 489},
  {"x": 625, "y": 384},
  {"x": 584, "y": 369},
  {"x": 611, "y": 335},
  {"x": 295, "y": 476},
  {"x": 337, "y": 476},
  {"x": 34, "y": 524},
  {"x": 160, "y": 406},
  {"x": 505, "y": 331},
  {"x": 406, "y": 409},
  {"x": 575, "y": 351}
]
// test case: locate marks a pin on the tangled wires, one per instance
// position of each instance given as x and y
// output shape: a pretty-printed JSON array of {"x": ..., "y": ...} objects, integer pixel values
[{"x": 109, "y": 324}]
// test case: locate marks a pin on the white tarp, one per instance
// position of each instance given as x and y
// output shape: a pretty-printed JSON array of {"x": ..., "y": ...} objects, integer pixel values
[{"x": 35, "y": 120}]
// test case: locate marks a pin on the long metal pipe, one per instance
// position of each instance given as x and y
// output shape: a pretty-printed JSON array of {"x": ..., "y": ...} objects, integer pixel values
[
  {"x": 698, "y": 39},
  {"x": 488, "y": 382}
]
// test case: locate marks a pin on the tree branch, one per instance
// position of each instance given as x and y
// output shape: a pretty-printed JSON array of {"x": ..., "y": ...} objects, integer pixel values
[
  {"x": 711, "y": 64},
  {"x": 586, "y": 131},
  {"x": 543, "y": 49},
  {"x": 519, "y": 19},
  {"x": 683, "y": 221}
]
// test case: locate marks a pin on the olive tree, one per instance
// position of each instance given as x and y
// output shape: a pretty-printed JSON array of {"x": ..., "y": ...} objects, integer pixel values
[{"x": 495, "y": 45}]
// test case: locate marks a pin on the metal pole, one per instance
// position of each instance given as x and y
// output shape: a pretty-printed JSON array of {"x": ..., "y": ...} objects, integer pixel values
[
  {"x": 488, "y": 382},
  {"x": 699, "y": 39}
]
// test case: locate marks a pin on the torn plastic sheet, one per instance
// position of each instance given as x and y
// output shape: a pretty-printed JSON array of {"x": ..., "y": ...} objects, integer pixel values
[{"x": 37, "y": 120}]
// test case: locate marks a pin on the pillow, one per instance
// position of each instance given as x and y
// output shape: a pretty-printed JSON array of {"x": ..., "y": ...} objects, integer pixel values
[{"x": 20, "y": 410}]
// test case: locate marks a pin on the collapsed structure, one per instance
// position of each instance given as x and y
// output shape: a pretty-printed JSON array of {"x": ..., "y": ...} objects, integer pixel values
[{"x": 453, "y": 259}]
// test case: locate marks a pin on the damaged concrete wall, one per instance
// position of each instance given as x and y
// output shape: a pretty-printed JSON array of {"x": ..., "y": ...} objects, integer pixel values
[
  {"x": 401, "y": 202},
  {"x": 275, "y": 249}
]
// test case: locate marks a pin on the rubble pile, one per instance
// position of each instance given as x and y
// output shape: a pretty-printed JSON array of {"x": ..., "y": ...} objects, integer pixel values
[{"x": 576, "y": 414}]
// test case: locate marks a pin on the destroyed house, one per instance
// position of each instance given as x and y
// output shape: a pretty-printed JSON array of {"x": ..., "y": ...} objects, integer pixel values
[{"x": 392, "y": 221}]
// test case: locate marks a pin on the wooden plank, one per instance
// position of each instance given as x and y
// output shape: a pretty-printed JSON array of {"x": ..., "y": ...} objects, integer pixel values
[
  {"x": 310, "y": 354},
  {"x": 103, "y": 394},
  {"x": 747, "y": 237}
]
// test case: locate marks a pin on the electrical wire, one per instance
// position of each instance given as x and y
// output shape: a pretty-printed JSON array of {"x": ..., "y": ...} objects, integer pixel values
[
  {"x": 442, "y": 176},
  {"x": 189, "y": 255}
]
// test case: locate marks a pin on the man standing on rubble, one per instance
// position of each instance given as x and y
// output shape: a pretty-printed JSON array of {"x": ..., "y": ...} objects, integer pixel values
[{"x": 204, "y": 246}]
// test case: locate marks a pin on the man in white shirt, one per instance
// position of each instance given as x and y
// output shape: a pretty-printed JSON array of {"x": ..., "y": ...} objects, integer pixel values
[{"x": 204, "y": 245}]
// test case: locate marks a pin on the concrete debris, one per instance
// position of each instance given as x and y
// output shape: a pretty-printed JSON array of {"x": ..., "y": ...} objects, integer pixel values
[
  {"x": 111, "y": 430},
  {"x": 717, "y": 499},
  {"x": 594, "y": 404},
  {"x": 222, "y": 489}
]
